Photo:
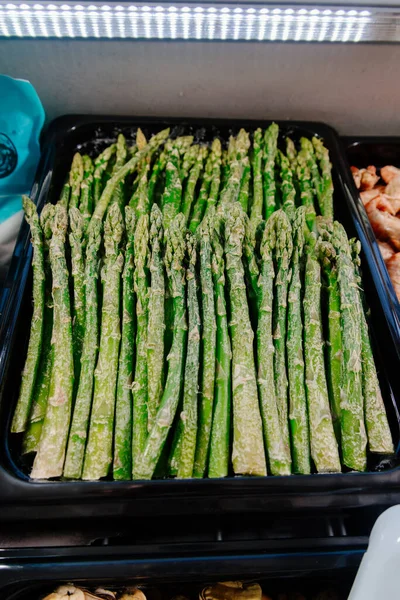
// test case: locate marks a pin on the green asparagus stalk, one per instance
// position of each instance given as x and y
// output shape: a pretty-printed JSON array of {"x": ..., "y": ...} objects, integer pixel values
[
  {"x": 378, "y": 430},
  {"x": 221, "y": 425},
  {"x": 230, "y": 192},
  {"x": 49, "y": 460},
  {"x": 295, "y": 358},
  {"x": 334, "y": 346},
  {"x": 287, "y": 187},
  {"x": 201, "y": 203},
  {"x": 245, "y": 185},
  {"x": 306, "y": 191},
  {"x": 140, "y": 199},
  {"x": 106, "y": 196},
  {"x": 156, "y": 320},
  {"x": 76, "y": 235},
  {"x": 120, "y": 159},
  {"x": 122, "y": 464},
  {"x": 21, "y": 415},
  {"x": 248, "y": 449},
  {"x": 80, "y": 420},
  {"x": 324, "y": 450},
  {"x": 158, "y": 169},
  {"x": 269, "y": 188},
  {"x": 175, "y": 252},
  {"x": 277, "y": 448},
  {"x": 282, "y": 246},
  {"x": 188, "y": 161},
  {"x": 308, "y": 150},
  {"x": 251, "y": 262},
  {"x": 172, "y": 196},
  {"x": 100, "y": 165},
  {"x": 98, "y": 455},
  {"x": 75, "y": 180},
  {"x": 354, "y": 438},
  {"x": 258, "y": 195},
  {"x": 216, "y": 151},
  {"x": 194, "y": 175},
  {"x": 86, "y": 198},
  {"x": 65, "y": 193},
  {"x": 41, "y": 390},
  {"x": 140, "y": 386},
  {"x": 291, "y": 153},
  {"x": 191, "y": 377},
  {"x": 208, "y": 349},
  {"x": 326, "y": 198}
]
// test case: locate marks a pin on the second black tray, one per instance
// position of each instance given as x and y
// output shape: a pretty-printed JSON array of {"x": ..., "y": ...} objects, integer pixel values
[{"x": 20, "y": 497}]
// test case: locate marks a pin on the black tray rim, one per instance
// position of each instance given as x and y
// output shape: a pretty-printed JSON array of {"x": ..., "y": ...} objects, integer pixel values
[{"x": 343, "y": 489}]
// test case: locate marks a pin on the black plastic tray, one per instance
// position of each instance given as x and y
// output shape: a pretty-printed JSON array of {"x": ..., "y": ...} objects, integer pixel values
[
  {"x": 27, "y": 577},
  {"x": 23, "y": 498},
  {"x": 377, "y": 151}
]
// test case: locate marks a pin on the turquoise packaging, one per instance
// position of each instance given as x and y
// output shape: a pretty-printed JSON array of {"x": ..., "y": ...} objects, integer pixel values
[{"x": 21, "y": 121}]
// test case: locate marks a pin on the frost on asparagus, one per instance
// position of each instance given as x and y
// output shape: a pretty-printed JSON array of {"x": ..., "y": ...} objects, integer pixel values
[
  {"x": 21, "y": 415},
  {"x": 49, "y": 459},
  {"x": 248, "y": 447}
]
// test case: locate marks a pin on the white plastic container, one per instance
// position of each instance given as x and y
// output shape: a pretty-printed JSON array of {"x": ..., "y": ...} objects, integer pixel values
[{"x": 378, "y": 577}]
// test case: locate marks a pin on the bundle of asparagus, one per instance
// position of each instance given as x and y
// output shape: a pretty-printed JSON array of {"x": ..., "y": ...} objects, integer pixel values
[{"x": 133, "y": 367}]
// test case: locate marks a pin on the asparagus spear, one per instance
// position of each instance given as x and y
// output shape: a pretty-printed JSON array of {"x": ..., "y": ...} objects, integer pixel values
[
  {"x": 122, "y": 464},
  {"x": 378, "y": 430},
  {"x": 49, "y": 459},
  {"x": 291, "y": 153},
  {"x": 287, "y": 187},
  {"x": 295, "y": 361},
  {"x": 188, "y": 161},
  {"x": 201, "y": 202},
  {"x": 282, "y": 245},
  {"x": 308, "y": 150},
  {"x": 251, "y": 262},
  {"x": 21, "y": 415},
  {"x": 140, "y": 199},
  {"x": 230, "y": 192},
  {"x": 77, "y": 228},
  {"x": 275, "y": 443},
  {"x": 220, "y": 433},
  {"x": 80, "y": 420},
  {"x": 191, "y": 386},
  {"x": 245, "y": 185},
  {"x": 102, "y": 204},
  {"x": 324, "y": 450},
  {"x": 75, "y": 180},
  {"x": 334, "y": 346},
  {"x": 326, "y": 199},
  {"x": 306, "y": 191},
  {"x": 258, "y": 197},
  {"x": 216, "y": 151},
  {"x": 208, "y": 348},
  {"x": 41, "y": 390},
  {"x": 156, "y": 321},
  {"x": 248, "y": 450},
  {"x": 100, "y": 165},
  {"x": 171, "y": 200},
  {"x": 270, "y": 150},
  {"x": 121, "y": 154},
  {"x": 175, "y": 252},
  {"x": 354, "y": 438},
  {"x": 65, "y": 193},
  {"x": 98, "y": 455},
  {"x": 194, "y": 175},
  {"x": 140, "y": 386},
  {"x": 158, "y": 169},
  {"x": 86, "y": 198}
]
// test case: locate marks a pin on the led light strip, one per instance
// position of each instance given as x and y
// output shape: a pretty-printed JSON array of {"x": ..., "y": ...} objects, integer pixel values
[{"x": 199, "y": 22}]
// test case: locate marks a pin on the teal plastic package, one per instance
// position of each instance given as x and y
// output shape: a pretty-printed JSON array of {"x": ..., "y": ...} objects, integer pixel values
[{"x": 21, "y": 120}]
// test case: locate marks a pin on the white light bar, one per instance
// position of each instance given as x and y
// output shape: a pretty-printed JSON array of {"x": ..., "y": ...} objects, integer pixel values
[{"x": 249, "y": 22}]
